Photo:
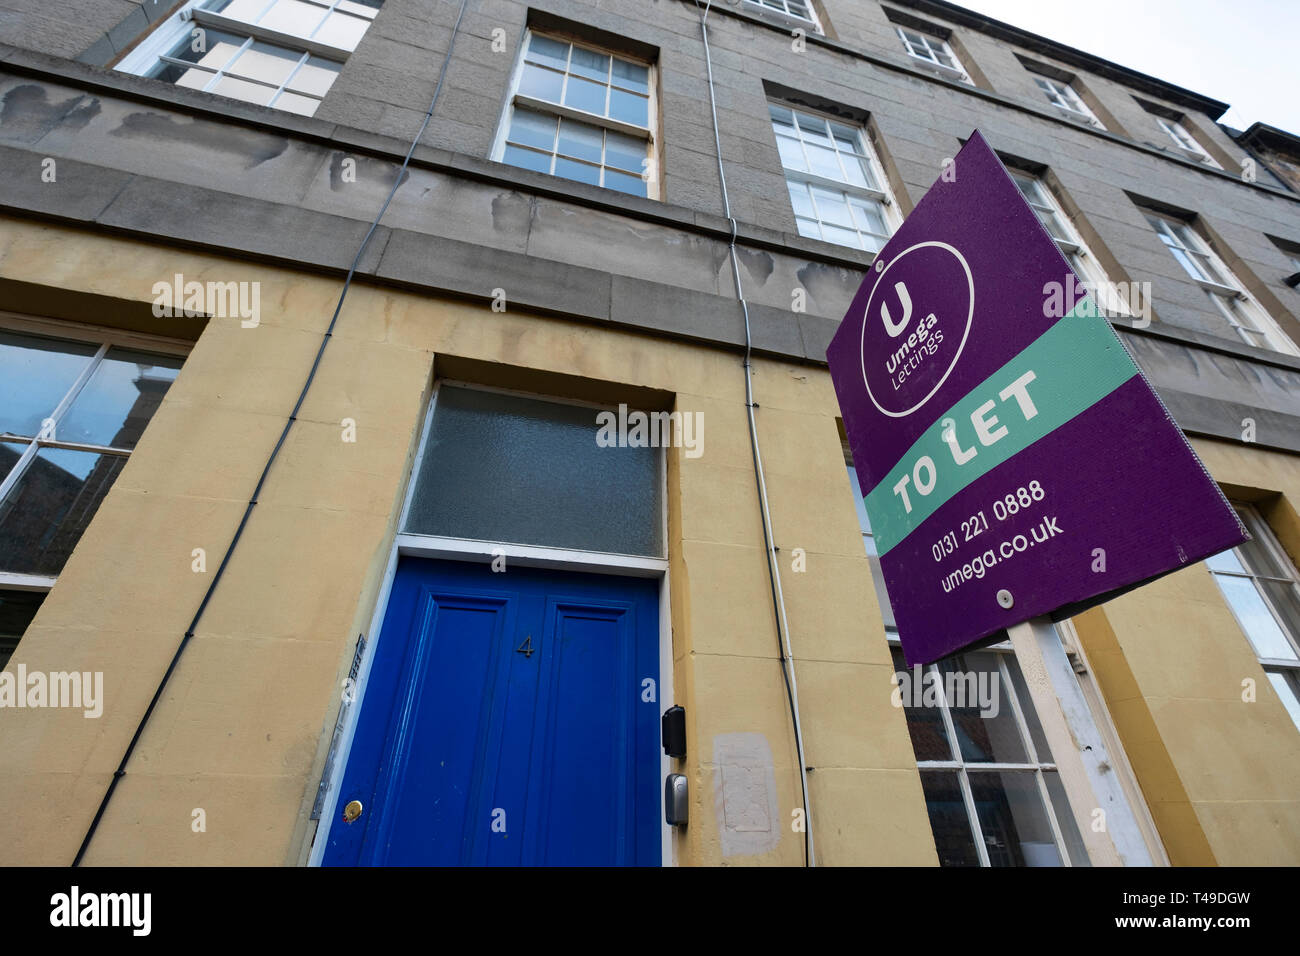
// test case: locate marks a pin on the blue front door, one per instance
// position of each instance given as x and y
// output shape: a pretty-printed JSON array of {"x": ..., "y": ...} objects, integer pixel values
[{"x": 509, "y": 718}]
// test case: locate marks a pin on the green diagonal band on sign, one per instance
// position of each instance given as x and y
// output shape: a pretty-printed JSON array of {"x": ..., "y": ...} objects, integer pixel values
[{"x": 1076, "y": 363}]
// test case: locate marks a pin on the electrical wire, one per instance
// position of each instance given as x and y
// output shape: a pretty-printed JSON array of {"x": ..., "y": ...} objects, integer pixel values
[
  {"x": 120, "y": 772},
  {"x": 773, "y": 569}
]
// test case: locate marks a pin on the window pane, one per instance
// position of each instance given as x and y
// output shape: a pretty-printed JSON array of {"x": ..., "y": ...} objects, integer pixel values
[
  {"x": 1065, "y": 819},
  {"x": 35, "y": 375},
  {"x": 342, "y": 31},
  {"x": 1011, "y": 814},
  {"x": 120, "y": 398},
  {"x": 543, "y": 84},
  {"x": 791, "y": 154},
  {"x": 843, "y": 237},
  {"x": 243, "y": 90},
  {"x": 1188, "y": 265},
  {"x": 624, "y": 183},
  {"x": 808, "y": 227},
  {"x": 1255, "y": 618},
  {"x": 986, "y": 727},
  {"x": 1257, "y": 555},
  {"x": 629, "y": 107},
  {"x": 799, "y": 200},
  {"x": 585, "y": 95},
  {"x": 17, "y": 608},
  {"x": 527, "y": 159},
  {"x": 782, "y": 119},
  {"x": 824, "y": 162},
  {"x": 10, "y": 452},
  {"x": 511, "y": 469},
  {"x": 315, "y": 77},
  {"x": 589, "y": 63},
  {"x": 625, "y": 152},
  {"x": 545, "y": 50},
  {"x": 191, "y": 79},
  {"x": 814, "y": 130},
  {"x": 869, "y": 216},
  {"x": 580, "y": 140},
  {"x": 1283, "y": 597},
  {"x": 531, "y": 128},
  {"x": 266, "y": 63},
  {"x": 948, "y": 818},
  {"x": 922, "y": 710},
  {"x": 45, "y": 513},
  {"x": 1055, "y": 228},
  {"x": 1026, "y": 702},
  {"x": 1285, "y": 690},
  {"x": 571, "y": 169},
  {"x": 632, "y": 76},
  {"x": 294, "y": 103},
  {"x": 832, "y": 208},
  {"x": 858, "y": 173},
  {"x": 248, "y": 10},
  {"x": 216, "y": 48},
  {"x": 293, "y": 16}
]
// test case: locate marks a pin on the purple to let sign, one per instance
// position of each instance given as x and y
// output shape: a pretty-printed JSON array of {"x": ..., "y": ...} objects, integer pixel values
[{"x": 1014, "y": 461}]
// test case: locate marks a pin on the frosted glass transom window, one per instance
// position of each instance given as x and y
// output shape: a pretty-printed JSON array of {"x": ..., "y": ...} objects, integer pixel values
[{"x": 521, "y": 470}]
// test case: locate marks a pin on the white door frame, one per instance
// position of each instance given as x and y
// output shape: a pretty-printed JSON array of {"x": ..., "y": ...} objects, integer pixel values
[{"x": 472, "y": 551}]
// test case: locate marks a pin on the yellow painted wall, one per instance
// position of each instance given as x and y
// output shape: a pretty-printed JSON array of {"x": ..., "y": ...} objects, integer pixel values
[
  {"x": 1221, "y": 776},
  {"x": 242, "y": 727}
]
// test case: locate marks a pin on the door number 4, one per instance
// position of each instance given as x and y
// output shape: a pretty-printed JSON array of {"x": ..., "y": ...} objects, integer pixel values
[{"x": 526, "y": 648}]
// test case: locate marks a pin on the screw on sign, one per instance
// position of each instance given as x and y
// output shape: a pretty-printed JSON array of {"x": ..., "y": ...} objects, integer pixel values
[{"x": 996, "y": 442}]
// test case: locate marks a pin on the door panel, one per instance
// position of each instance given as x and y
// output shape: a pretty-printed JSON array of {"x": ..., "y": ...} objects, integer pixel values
[{"x": 504, "y": 723}]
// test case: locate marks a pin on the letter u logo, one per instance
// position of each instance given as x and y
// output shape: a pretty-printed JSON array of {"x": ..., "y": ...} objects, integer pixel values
[{"x": 896, "y": 329}]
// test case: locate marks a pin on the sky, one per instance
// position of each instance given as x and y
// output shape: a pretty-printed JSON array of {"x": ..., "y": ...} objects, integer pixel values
[{"x": 1242, "y": 52}]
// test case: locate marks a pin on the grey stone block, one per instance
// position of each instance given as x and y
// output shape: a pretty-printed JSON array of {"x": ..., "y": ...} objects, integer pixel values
[
  {"x": 529, "y": 282},
  {"x": 676, "y": 312}
]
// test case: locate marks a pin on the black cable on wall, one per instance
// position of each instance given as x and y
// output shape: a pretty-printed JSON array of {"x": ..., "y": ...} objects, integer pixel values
[{"x": 120, "y": 772}]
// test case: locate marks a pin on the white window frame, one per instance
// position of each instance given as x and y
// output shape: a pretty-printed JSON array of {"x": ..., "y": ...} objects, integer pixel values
[
  {"x": 649, "y": 133},
  {"x": 931, "y": 46},
  {"x": 1244, "y": 315},
  {"x": 963, "y": 767},
  {"x": 157, "y": 47},
  {"x": 1133, "y": 833},
  {"x": 81, "y": 334},
  {"x": 1066, "y": 99},
  {"x": 484, "y": 552},
  {"x": 783, "y": 7},
  {"x": 1072, "y": 246},
  {"x": 1288, "y": 670},
  {"x": 1185, "y": 141},
  {"x": 883, "y": 195}
]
